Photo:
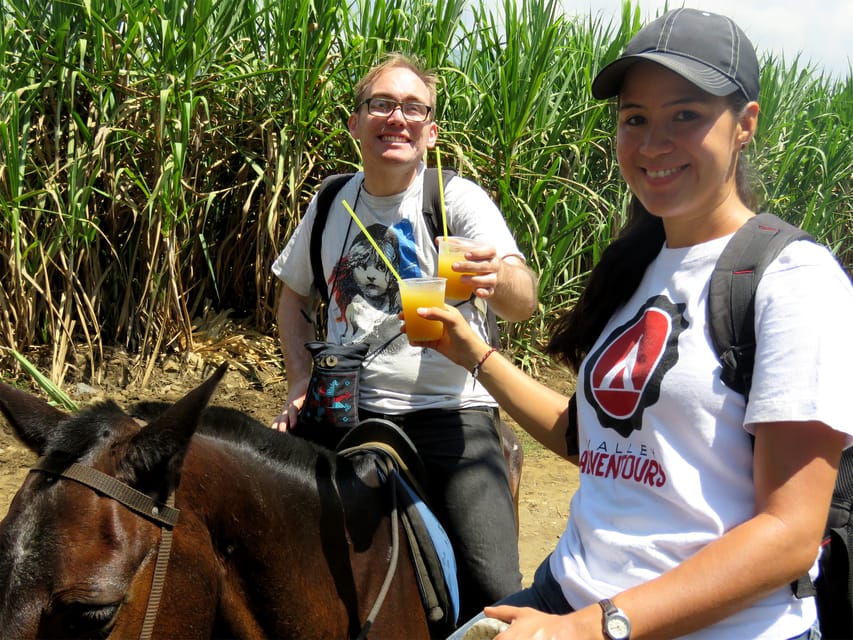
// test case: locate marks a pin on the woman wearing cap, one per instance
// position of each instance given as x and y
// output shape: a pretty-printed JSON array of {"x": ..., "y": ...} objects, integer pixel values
[{"x": 679, "y": 527}]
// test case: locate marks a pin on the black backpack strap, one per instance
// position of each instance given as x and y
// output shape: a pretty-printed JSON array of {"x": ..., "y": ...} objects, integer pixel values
[
  {"x": 731, "y": 308},
  {"x": 842, "y": 501},
  {"x": 329, "y": 188},
  {"x": 431, "y": 206},
  {"x": 572, "y": 442},
  {"x": 432, "y": 198},
  {"x": 731, "y": 297},
  {"x": 835, "y": 581},
  {"x": 432, "y": 216}
]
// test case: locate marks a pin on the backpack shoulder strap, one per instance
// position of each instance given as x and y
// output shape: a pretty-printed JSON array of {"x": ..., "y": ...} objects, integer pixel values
[
  {"x": 731, "y": 308},
  {"x": 432, "y": 198},
  {"x": 731, "y": 297},
  {"x": 329, "y": 188},
  {"x": 432, "y": 216},
  {"x": 835, "y": 581}
]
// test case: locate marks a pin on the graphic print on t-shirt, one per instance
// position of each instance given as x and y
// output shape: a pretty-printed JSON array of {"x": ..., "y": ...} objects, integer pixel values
[
  {"x": 623, "y": 376},
  {"x": 366, "y": 293}
]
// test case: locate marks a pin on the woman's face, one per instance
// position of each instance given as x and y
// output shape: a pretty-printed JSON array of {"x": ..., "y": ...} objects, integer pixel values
[{"x": 677, "y": 146}]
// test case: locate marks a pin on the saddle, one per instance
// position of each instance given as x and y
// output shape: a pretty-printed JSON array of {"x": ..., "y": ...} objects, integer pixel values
[{"x": 397, "y": 461}]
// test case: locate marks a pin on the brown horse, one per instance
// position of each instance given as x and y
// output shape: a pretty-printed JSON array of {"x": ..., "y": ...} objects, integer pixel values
[{"x": 275, "y": 538}]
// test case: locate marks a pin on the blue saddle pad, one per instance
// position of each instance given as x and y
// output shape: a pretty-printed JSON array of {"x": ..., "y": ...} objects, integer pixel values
[{"x": 441, "y": 544}]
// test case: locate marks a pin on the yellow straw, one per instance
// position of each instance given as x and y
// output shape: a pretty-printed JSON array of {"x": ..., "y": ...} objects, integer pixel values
[
  {"x": 441, "y": 189},
  {"x": 372, "y": 241}
]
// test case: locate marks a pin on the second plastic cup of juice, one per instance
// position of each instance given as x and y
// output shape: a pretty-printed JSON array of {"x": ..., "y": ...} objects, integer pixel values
[
  {"x": 421, "y": 292},
  {"x": 452, "y": 249}
]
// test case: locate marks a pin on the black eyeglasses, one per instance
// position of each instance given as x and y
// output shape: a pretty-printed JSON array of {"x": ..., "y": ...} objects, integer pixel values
[{"x": 384, "y": 107}]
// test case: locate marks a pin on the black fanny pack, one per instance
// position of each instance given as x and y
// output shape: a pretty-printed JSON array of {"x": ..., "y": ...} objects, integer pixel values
[{"x": 332, "y": 398}]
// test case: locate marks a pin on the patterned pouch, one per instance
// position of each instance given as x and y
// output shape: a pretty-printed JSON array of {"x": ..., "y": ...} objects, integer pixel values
[{"x": 332, "y": 398}]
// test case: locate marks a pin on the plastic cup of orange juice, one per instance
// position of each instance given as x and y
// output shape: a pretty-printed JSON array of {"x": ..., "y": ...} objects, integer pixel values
[
  {"x": 452, "y": 249},
  {"x": 421, "y": 292}
]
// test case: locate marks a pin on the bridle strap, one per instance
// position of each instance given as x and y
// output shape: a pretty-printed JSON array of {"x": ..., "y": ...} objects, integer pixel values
[
  {"x": 159, "y": 578},
  {"x": 144, "y": 505},
  {"x": 165, "y": 515}
]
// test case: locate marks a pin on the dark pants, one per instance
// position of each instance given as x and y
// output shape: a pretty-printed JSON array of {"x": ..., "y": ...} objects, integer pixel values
[
  {"x": 544, "y": 594},
  {"x": 468, "y": 490}
]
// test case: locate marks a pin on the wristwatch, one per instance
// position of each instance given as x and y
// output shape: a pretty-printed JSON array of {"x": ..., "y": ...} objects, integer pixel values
[{"x": 616, "y": 623}]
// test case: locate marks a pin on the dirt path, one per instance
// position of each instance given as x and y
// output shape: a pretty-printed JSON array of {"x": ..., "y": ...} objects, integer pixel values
[{"x": 546, "y": 486}]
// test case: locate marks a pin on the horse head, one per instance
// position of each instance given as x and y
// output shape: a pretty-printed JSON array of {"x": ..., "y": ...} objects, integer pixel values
[
  {"x": 74, "y": 561},
  {"x": 274, "y": 538}
]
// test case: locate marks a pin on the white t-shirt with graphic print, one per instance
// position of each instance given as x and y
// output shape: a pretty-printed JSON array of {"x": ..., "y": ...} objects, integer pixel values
[
  {"x": 364, "y": 295},
  {"x": 665, "y": 457}
]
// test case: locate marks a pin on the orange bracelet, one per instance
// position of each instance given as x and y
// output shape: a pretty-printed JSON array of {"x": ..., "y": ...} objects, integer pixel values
[{"x": 476, "y": 370}]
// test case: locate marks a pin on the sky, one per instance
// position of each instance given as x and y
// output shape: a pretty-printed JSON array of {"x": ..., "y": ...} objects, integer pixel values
[{"x": 820, "y": 31}]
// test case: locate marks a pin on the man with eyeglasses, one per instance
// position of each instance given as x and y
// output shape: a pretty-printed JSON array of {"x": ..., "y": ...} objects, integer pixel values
[{"x": 441, "y": 407}]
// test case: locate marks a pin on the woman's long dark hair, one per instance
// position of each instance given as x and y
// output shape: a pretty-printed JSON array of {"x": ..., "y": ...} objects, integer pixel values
[
  {"x": 617, "y": 275},
  {"x": 611, "y": 283}
]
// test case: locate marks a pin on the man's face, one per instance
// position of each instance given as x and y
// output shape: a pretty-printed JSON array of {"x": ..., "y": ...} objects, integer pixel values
[{"x": 392, "y": 142}]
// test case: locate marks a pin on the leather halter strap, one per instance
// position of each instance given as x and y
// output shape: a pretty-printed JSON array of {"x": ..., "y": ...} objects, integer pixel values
[
  {"x": 165, "y": 515},
  {"x": 162, "y": 514}
]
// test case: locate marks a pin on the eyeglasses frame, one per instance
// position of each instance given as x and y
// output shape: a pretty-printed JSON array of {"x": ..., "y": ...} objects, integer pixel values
[{"x": 397, "y": 105}]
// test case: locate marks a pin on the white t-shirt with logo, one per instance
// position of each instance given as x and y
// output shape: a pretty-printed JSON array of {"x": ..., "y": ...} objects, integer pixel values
[
  {"x": 665, "y": 454},
  {"x": 365, "y": 303}
]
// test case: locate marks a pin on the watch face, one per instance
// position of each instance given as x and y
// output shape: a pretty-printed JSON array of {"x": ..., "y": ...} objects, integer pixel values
[{"x": 618, "y": 627}]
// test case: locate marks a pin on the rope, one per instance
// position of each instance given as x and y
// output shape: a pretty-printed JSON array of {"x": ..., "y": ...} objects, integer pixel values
[{"x": 392, "y": 566}]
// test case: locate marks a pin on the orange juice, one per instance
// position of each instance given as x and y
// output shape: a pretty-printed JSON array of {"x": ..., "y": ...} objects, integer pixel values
[
  {"x": 421, "y": 292},
  {"x": 452, "y": 249}
]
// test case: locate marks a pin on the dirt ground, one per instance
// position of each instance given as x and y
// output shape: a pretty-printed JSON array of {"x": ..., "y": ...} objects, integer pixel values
[{"x": 254, "y": 384}]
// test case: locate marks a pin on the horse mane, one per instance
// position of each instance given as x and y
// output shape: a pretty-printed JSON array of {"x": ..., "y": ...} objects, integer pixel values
[
  {"x": 82, "y": 432},
  {"x": 238, "y": 428}
]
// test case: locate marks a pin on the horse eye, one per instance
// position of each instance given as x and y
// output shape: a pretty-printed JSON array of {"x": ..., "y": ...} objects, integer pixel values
[{"x": 90, "y": 620}]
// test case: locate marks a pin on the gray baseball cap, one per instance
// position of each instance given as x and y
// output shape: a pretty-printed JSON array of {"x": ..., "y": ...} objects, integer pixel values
[{"x": 707, "y": 49}]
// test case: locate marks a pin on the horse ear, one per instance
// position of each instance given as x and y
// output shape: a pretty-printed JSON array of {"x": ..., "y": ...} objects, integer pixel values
[
  {"x": 33, "y": 420},
  {"x": 156, "y": 453}
]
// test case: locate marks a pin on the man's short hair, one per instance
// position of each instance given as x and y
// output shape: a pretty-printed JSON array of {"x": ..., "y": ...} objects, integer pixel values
[{"x": 393, "y": 60}]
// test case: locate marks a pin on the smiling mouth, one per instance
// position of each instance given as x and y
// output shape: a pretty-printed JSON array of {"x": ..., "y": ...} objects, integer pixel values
[
  {"x": 663, "y": 173},
  {"x": 390, "y": 138}
]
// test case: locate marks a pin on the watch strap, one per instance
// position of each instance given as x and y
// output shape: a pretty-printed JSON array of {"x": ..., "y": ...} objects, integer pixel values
[
  {"x": 616, "y": 625},
  {"x": 607, "y": 607}
]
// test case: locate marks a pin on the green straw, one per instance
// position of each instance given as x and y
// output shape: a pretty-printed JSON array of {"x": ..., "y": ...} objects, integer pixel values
[
  {"x": 441, "y": 190},
  {"x": 372, "y": 241}
]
